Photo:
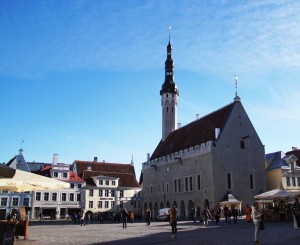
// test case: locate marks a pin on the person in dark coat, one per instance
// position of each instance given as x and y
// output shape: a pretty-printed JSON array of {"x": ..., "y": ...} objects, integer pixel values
[{"x": 148, "y": 216}]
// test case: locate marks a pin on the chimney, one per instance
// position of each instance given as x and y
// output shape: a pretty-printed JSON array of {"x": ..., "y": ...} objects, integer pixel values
[
  {"x": 55, "y": 159},
  {"x": 217, "y": 132},
  {"x": 95, "y": 159},
  {"x": 178, "y": 125},
  {"x": 197, "y": 116},
  {"x": 148, "y": 156}
]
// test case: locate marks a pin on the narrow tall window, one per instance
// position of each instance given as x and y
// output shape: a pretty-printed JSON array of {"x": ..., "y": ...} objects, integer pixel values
[
  {"x": 242, "y": 144},
  {"x": 175, "y": 185},
  {"x": 64, "y": 197},
  {"x": 251, "y": 182},
  {"x": 54, "y": 197},
  {"x": 191, "y": 183},
  {"x": 179, "y": 185},
  {"x": 228, "y": 181},
  {"x": 198, "y": 182},
  {"x": 293, "y": 181},
  {"x": 288, "y": 181},
  {"x": 186, "y": 184}
]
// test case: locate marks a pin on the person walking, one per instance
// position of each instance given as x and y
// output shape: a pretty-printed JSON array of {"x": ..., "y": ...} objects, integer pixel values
[
  {"x": 206, "y": 215},
  {"x": 216, "y": 214},
  {"x": 82, "y": 221},
  {"x": 225, "y": 211},
  {"x": 148, "y": 216},
  {"x": 124, "y": 215},
  {"x": 248, "y": 213},
  {"x": 173, "y": 220},
  {"x": 131, "y": 217},
  {"x": 235, "y": 214},
  {"x": 256, "y": 215}
]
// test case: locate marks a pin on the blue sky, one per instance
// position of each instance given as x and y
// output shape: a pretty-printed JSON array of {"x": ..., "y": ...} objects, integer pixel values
[{"x": 82, "y": 78}]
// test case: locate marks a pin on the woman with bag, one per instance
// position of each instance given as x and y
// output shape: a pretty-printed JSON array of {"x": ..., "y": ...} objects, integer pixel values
[{"x": 256, "y": 215}]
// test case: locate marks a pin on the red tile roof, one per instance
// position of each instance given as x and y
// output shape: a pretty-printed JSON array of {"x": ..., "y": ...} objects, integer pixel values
[
  {"x": 73, "y": 177},
  {"x": 125, "y": 172},
  {"x": 195, "y": 133},
  {"x": 125, "y": 179}
]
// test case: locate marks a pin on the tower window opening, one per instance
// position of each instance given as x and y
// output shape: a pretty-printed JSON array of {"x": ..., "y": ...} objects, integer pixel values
[
  {"x": 167, "y": 109},
  {"x": 172, "y": 109}
]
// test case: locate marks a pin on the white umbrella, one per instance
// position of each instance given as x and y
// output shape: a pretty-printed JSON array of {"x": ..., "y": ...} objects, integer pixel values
[
  {"x": 21, "y": 181},
  {"x": 276, "y": 193}
]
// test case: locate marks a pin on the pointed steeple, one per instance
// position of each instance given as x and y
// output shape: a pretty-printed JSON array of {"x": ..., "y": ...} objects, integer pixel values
[
  {"x": 169, "y": 85},
  {"x": 169, "y": 95}
]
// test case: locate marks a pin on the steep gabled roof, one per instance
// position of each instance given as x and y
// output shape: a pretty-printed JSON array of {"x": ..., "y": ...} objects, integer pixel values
[
  {"x": 103, "y": 167},
  {"x": 195, "y": 133},
  {"x": 125, "y": 179},
  {"x": 46, "y": 171},
  {"x": 297, "y": 154},
  {"x": 275, "y": 160},
  {"x": 125, "y": 172}
]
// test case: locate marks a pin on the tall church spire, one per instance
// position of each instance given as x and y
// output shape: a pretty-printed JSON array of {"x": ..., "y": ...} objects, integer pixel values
[{"x": 169, "y": 95}]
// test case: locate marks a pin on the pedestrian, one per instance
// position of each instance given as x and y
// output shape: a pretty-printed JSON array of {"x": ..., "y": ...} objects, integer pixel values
[
  {"x": 194, "y": 214},
  {"x": 206, "y": 215},
  {"x": 217, "y": 215},
  {"x": 101, "y": 219},
  {"x": 113, "y": 218},
  {"x": 82, "y": 222},
  {"x": 229, "y": 214},
  {"x": 235, "y": 214},
  {"x": 148, "y": 216},
  {"x": 225, "y": 211},
  {"x": 256, "y": 215},
  {"x": 248, "y": 213},
  {"x": 124, "y": 215},
  {"x": 40, "y": 216},
  {"x": 131, "y": 216},
  {"x": 173, "y": 220},
  {"x": 89, "y": 218},
  {"x": 74, "y": 218},
  {"x": 198, "y": 214}
]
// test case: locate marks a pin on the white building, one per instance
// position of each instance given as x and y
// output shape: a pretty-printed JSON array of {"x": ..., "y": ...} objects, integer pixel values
[{"x": 109, "y": 188}]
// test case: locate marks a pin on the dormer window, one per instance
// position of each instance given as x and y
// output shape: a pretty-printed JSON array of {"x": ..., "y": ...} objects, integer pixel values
[
  {"x": 106, "y": 182},
  {"x": 100, "y": 182}
]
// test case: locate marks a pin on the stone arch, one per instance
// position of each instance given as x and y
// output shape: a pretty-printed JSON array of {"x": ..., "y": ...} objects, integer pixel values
[
  {"x": 191, "y": 205},
  {"x": 155, "y": 209},
  {"x": 182, "y": 210},
  {"x": 151, "y": 208},
  {"x": 168, "y": 205},
  {"x": 161, "y": 205},
  {"x": 145, "y": 208}
]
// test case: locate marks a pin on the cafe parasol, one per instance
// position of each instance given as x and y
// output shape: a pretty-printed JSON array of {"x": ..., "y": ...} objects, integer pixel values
[
  {"x": 275, "y": 194},
  {"x": 20, "y": 181}
]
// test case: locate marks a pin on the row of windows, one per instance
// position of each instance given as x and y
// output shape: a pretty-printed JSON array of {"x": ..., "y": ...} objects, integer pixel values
[
  {"x": 64, "y": 174},
  {"x": 106, "y": 193},
  {"x": 54, "y": 197},
  {"x": 14, "y": 201},
  {"x": 189, "y": 184},
  {"x": 291, "y": 181},
  {"x": 107, "y": 182}
]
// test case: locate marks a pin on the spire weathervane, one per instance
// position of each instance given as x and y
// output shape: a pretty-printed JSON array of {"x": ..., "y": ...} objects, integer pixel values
[
  {"x": 22, "y": 143},
  {"x": 237, "y": 98},
  {"x": 170, "y": 33}
]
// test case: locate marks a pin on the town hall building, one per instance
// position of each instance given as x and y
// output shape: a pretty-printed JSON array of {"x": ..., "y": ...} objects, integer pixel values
[{"x": 202, "y": 163}]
